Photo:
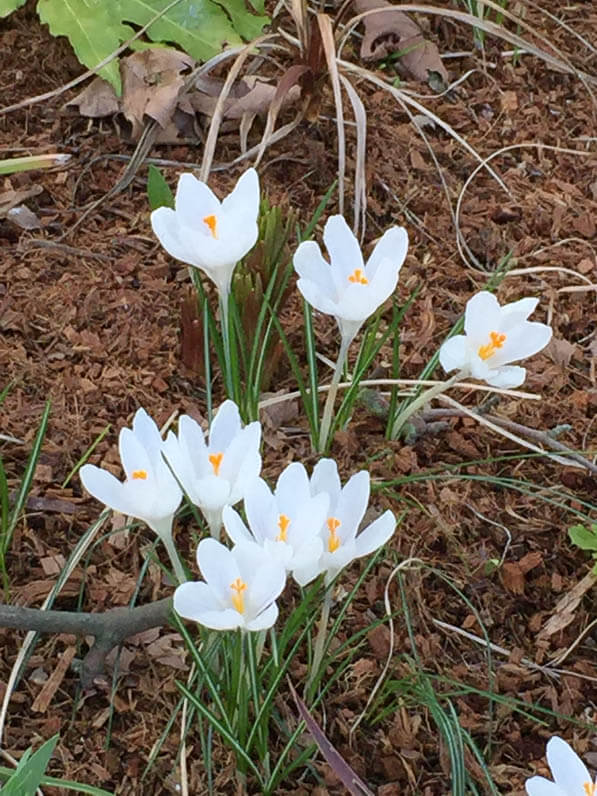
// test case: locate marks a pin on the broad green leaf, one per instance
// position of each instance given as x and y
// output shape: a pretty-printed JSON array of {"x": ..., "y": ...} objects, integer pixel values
[
  {"x": 200, "y": 27},
  {"x": 29, "y": 773},
  {"x": 247, "y": 25},
  {"x": 8, "y": 6},
  {"x": 583, "y": 537},
  {"x": 93, "y": 29},
  {"x": 158, "y": 190}
]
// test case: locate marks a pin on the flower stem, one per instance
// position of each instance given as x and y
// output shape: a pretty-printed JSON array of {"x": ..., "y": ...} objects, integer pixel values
[
  {"x": 168, "y": 541},
  {"x": 320, "y": 640},
  {"x": 423, "y": 398},
  {"x": 224, "y": 318},
  {"x": 328, "y": 409}
]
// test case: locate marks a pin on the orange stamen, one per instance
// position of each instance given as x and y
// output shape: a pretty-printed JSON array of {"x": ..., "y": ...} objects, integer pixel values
[
  {"x": 333, "y": 542},
  {"x": 590, "y": 788},
  {"x": 497, "y": 341},
  {"x": 358, "y": 277},
  {"x": 211, "y": 222},
  {"x": 215, "y": 459},
  {"x": 283, "y": 524},
  {"x": 237, "y": 599},
  {"x": 139, "y": 475}
]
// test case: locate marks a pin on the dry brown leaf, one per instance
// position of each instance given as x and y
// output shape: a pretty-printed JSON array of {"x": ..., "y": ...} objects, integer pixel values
[
  {"x": 151, "y": 83},
  {"x": 561, "y": 351},
  {"x": 250, "y": 95},
  {"x": 564, "y": 610},
  {"x": 393, "y": 31}
]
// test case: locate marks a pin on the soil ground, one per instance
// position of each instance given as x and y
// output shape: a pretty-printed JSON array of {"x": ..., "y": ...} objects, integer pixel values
[{"x": 96, "y": 329}]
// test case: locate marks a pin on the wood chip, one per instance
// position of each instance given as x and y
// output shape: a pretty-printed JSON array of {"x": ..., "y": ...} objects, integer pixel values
[{"x": 45, "y": 696}]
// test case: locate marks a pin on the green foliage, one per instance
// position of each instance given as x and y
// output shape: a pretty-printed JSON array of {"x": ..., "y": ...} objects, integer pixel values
[
  {"x": 10, "y": 514},
  {"x": 30, "y": 774},
  {"x": 586, "y": 539},
  {"x": 158, "y": 190},
  {"x": 8, "y": 6},
  {"x": 201, "y": 28}
]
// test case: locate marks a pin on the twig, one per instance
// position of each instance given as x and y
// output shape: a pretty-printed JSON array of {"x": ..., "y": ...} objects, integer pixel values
[
  {"x": 543, "y": 437},
  {"x": 109, "y": 628}
]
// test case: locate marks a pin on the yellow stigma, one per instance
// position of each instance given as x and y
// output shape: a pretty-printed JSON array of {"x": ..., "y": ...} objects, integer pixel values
[
  {"x": 211, "y": 222},
  {"x": 215, "y": 459},
  {"x": 333, "y": 542},
  {"x": 139, "y": 475},
  {"x": 238, "y": 588},
  {"x": 358, "y": 277},
  {"x": 590, "y": 788},
  {"x": 497, "y": 340},
  {"x": 283, "y": 523}
]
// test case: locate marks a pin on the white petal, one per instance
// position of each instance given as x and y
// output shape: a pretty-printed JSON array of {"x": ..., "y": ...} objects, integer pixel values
[
  {"x": 133, "y": 455},
  {"x": 393, "y": 245},
  {"x": 482, "y": 315},
  {"x": 568, "y": 770},
  {"x": 267, "y": 584},
  {"x": 218, "y": 567},
  {"x": 265, "y": 620},
  {"x": 383, "y": 282},
  {"x": 167, "y": 230},
  {"x": 308, "y": 572},
  {"x": 454, "y": 353},
  {"x": 539, "y": 786},
  {"x": 526, "y": 339},
  {"x": 194, "y": 200},
  {"x": 147, "y": 432},
  {"x": 508, "y": 377},
  {"x": 292, "y": 487},
  {"x": 227, "y": 619},
  {"x": 243, "y": 201},
  {"x": 352, "y": 505},
  {"x": 310, "y": 265},
  {"x": 235, "y": 527},
  {"x": 193, "y": 447},
  {"x": 313, "y": 294},
  {"x": 376, "y": 534},
  {"x": 343, "y": 248},
  {"x": 325, "y": 478},
  {"x": 193, "y": 597},
  {"x": 260, "y": 510},
  {"x": 516, "y": 312},
  {"x": 103, "y": 486},
  {"x": 224, "y": 427}
]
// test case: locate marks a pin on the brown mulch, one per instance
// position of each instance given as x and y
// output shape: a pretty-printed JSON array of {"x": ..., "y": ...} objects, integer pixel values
[{"x": 96, "y": 329}]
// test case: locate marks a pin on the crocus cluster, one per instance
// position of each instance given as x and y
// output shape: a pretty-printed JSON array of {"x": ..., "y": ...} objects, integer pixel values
[{"x": 305, "y": 527}]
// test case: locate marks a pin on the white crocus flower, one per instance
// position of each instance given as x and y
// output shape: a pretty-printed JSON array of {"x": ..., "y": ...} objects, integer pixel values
[
  {"x": 571, "y": 777},
  {"x": 345, "y": 287},
  {"x": 239, "y": 589},
  {"x": 149, "y": 491},
  {"x": 286, "y": 523},
  {"x": 207, "y": 233},
  {"x": 347, "y": 508},
  {"x": 217, "y": 473},
  {"x": 494, "y": 337}
]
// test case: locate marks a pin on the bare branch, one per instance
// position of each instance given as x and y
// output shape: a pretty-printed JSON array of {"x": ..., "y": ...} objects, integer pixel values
[{"x": 109, "y": 628}]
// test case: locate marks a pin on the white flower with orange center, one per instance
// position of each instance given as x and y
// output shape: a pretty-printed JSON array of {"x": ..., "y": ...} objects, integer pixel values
[
  {"x": 342, "y": 541},
  {"x": 149, "y": 491},
  {"x": 495, "y": 336},
  {"x": 217, "y": 473},
  {"x": 285, "y": 523},
  {"x": 346, "y": 287},
  {"x": 570, "y": 775},
  {"x": 239, "y": 589},
  {"x": 209, "y": 234}
]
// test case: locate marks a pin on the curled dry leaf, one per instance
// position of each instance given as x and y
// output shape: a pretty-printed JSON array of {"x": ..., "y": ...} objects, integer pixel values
[
  {"x": 393, "y": 31},
  {"x": 151, "y": 83},
  {"x": 250, "y": 94}
]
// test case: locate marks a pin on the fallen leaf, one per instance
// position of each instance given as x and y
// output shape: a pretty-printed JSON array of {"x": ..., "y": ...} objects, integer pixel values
[
  {"x": 393, "y": 31},
  {"x": 561, "y": 351},
  {"x": 23, "y": 217},
  {"x": 249, "y": 95},
  {"x": 564, "y": 611}
]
